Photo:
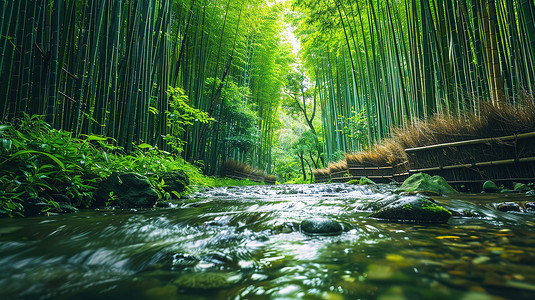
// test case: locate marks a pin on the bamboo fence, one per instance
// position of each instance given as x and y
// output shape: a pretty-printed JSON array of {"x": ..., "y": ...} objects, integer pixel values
[
  {"x": 464, "y": 163},
  {"x": 471, "y": 162}
]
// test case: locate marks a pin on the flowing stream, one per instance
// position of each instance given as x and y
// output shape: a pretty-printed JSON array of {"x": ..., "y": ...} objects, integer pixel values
[{"x": 246, "y": 243}]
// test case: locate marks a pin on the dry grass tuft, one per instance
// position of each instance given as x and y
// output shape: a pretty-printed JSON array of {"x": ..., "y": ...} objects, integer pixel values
[
  {"x": 236, "y": 169},
  {"x": 340, "y": 166},
  {"x": 389, "y": 153},
  {"x": 493, "y": 121},
  {"x": 321, "y": 175}
]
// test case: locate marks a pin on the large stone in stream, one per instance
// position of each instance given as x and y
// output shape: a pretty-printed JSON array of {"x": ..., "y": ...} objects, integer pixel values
[
  {"x": 131, "y": 190},
  {"x": 424, "y": 182},
  {"x": 176, "y": 181},
  {"x": 417, "y": 209},
  {"x": 321, "y": 226}
]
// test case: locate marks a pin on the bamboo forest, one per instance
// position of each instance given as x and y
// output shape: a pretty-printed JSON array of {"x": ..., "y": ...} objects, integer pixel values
[{"x": 267, "y": 149}]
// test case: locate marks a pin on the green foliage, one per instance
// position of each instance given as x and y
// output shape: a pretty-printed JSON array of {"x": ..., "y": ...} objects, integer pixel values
[
  {"x": 299, "y": 180},
  {"x": 355, "y": 127},
  {"x": 286, "y": 169},
  {"x": 37, "y": 162},
  {"x": 179, "y": 116}
]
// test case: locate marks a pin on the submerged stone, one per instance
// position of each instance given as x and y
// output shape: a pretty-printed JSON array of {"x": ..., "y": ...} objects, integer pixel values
[
  {"x": 424, "y": 182},
  {"x": 205, "y": 280},
  {"x": 413, "y": 209},
  {"x": 321, "y": 226},
  {"x": 490, "y": 187}
]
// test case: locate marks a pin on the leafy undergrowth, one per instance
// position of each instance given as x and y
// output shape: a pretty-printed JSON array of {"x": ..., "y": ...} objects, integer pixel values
[
  {"x": 39, "y": 162},
  {"x": 299, "y": 180}
]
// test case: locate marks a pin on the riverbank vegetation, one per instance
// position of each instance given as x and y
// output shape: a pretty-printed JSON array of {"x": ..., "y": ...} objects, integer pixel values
[{"x": 49, "y": 166}]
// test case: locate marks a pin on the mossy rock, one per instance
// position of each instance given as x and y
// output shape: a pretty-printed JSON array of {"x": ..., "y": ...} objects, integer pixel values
[
  {"x": 354, "y": 182},
  {"x": 508, "y": 206},
  {"x": 130, "y": 189},
  {"x": 521, "y": 187},
  {"x": 175, "y": 181},
  {"x": 416, "y": 209},
  {"x": 490, "y": 187},
  {"x": 424, "y": 182},
  {"x": 365, "y": 181}
]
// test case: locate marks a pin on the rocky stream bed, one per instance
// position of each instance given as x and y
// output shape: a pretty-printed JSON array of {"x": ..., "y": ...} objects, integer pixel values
[{"x": 322, "y": 241}]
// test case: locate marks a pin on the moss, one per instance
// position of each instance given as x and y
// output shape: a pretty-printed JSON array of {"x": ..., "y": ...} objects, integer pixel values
[
  {"x": 203, "y": 281},
  {"x": 365, "y": 181},
  {"x": 354, "y": 181},
  {"x": 413, "y": 209},
  {"x": 424, "y": 182},
  {"x": 407, "y": 206},
  {"x": 490, "y": 187},
  {"x": 436, "y": 209}
]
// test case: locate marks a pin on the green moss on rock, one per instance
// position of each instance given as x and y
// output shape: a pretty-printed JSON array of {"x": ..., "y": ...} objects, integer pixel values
[
  {"x": 490, "y": 187},
  {"x": 203, "y": 281},
  {"x": 365, "y": 181},
  {"x": 424, "y": 182},
  {"x": 413, "y": 209},
  {"x": 521, "y": 187}
]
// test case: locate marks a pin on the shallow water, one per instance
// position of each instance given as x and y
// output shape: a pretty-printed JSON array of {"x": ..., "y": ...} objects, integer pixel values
[{"x": 246, "y": 243}]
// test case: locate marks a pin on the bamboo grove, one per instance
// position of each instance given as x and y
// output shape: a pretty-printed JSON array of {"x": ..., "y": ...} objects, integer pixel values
[
  {"x": 383, "y": 64},
  {"x": 200, "y": 74}
]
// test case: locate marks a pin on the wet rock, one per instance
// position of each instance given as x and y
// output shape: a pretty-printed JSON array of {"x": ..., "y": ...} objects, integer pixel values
[
  {"x": 182, "y": 260},
  {"x": 508, "y": 206},
  {"x": 424, "y": 182},
  {"x": 521, "y": 187},
  {"x": 131, "y": 189},
  {"x": 531, "y": 193},
  {"x": 41, "y": 206},
  {"x": 321, "y": 226},
  {"x": 490, "y": 187},
  {"x": 413, "y": 209},
  {"x": 530, "y": 206},
  {"x": 175, "y": 182},
  {"x": 375, "y": 205}
]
